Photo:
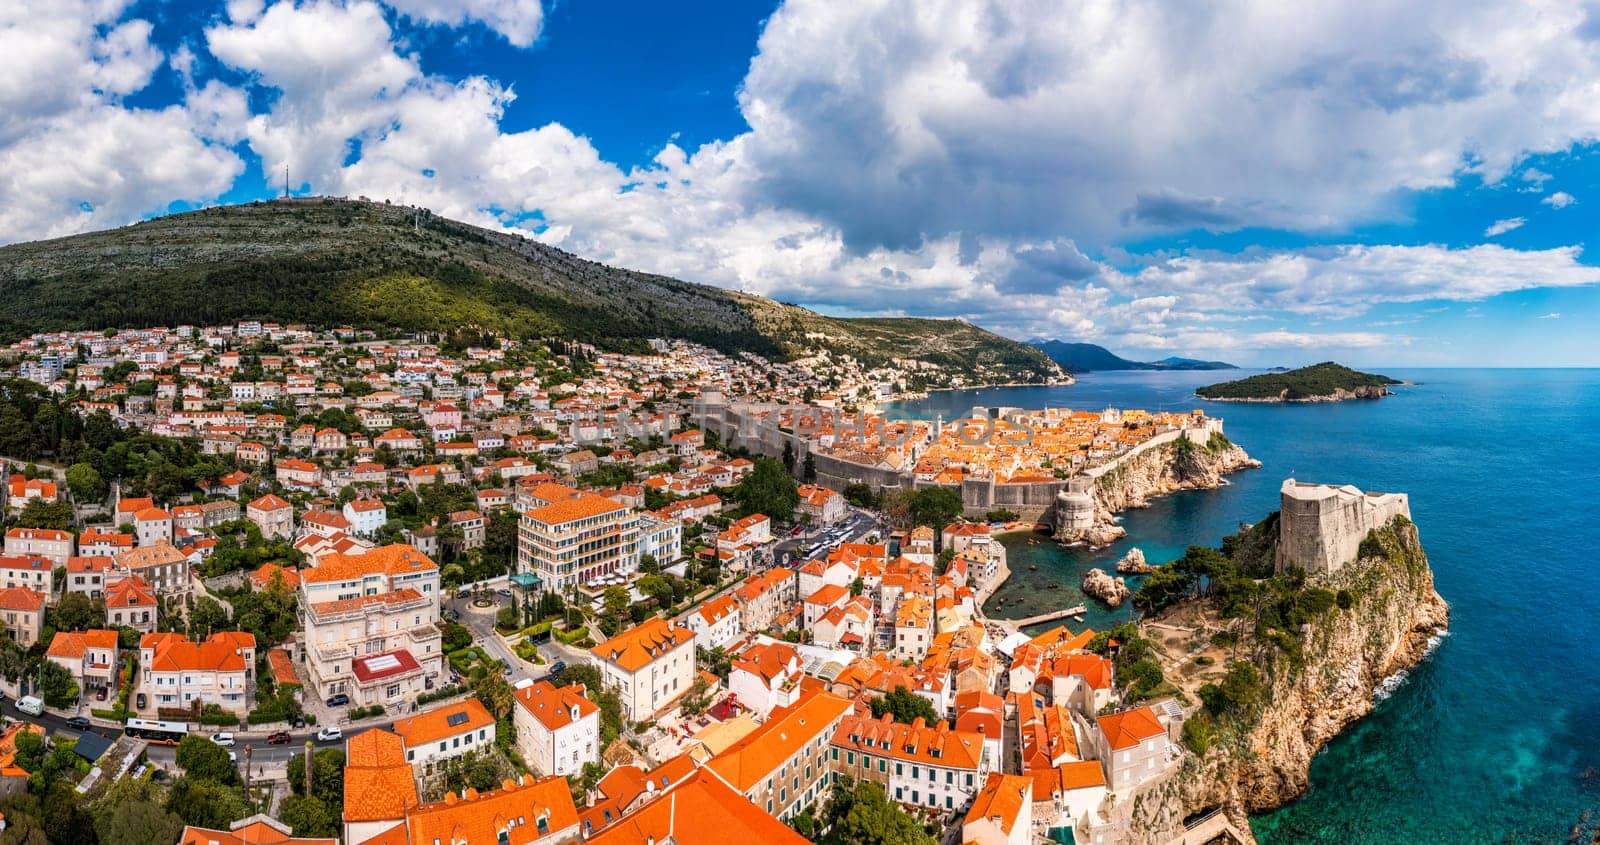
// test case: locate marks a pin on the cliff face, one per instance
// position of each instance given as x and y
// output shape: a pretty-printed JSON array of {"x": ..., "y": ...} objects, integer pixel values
[
  {"x": 1340, "y": 394},
  {"x": 1159, "y": 471},
  {"x": 1393, "y": 614}
]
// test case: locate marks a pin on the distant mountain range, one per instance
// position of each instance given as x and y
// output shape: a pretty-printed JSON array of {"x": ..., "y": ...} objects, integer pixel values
[{"x": 1088, "y": 357}]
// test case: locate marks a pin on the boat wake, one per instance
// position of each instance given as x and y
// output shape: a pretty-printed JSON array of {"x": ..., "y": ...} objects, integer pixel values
[{"x": 1392, "y": 684}]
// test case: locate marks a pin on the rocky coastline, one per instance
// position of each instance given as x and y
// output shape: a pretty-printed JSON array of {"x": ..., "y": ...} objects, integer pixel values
[
  {"x": 1393, "y": 618},
  {"x": 1155, "y": 472},
  {"x": 1377, "y": 391}
]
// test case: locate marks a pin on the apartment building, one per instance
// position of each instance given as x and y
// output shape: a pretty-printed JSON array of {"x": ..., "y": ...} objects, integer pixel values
[
  {"x": 782, "y": 767},
  {"x": 33, "y": 573},
  {"x": 163, "y": 568},
  {"x": 917, "y": 764},
  {"x": 176, "y": 672},
  {"x": 382, "y": 649},
  {"x": 87, "y": 575},
  {"x": 557, "y": 728},
  {"x": 49, "y": 543},
  {"x": 22, "y": 609},
  {"x": 652, "y": 665},
  {"x": 1132, "y": 747}
]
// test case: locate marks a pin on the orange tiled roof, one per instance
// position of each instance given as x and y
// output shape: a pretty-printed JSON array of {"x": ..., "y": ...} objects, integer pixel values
[
  {"x": 443, "y": 722},
  {"x": 639, "y": 646},
  {"x": 544, "y": 806},
  {"x": 395, "y": 559},
  {"x": 917, "y": 742},
  {"x": 554, "y": 706},
  {"x": 73, "y": 644},
  {"x": 256, "y": 830},
  {"x": 701, "y": 810},
  {"x": 172, "y": 652},
  {"x": 1130, "y": 727},
  {"x": 753, "y": 758},
  {"x": 1048, "y": 783},
  {"x": 21, "y": 598},
  {"x": 1002, "y": 798},
  {"x": 130, "y": 592},
  {"x": 377, "y": 780}
]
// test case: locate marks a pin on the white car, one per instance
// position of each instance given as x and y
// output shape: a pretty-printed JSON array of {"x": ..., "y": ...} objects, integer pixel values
[
  {"x": 224, "y": 739},
  {"x": 329, "y": 734}
]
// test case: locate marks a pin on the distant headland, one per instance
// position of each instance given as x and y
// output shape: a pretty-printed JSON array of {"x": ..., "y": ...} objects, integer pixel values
[
  {"x": 1089, "y": 357},
  {"x": 1325, "y": 382}
]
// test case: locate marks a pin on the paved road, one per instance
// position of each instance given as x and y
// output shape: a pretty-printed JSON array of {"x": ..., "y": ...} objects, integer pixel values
[{"x": 480, "y": 620}]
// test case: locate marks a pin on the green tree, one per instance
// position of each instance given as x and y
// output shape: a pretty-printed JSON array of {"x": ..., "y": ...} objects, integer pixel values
[
  {"x": 905, "y": 706},
  {"x": 131, "y": 812},
  {"x": 75, "y": 612},
  {"x": 788, "y": 456},
  {"x": 862, "y": 814},
  {"x": 808, "y": 470},
  {"x": 768, "y": 489},
  {"x": 327, "y": 777},
  {"x": 206, "y": 803},
  {"x": 85, "y": 483},
  {"x": 616, "y": 600},
  {"x": 496, "y": 693},
  {"x": 56, "y": 685},
  {"x": 308, "y": 816},
  {"x": 38, "y": 513},
  {"x": 207, "y": 616},
  {"x": 202, "y": 759}
]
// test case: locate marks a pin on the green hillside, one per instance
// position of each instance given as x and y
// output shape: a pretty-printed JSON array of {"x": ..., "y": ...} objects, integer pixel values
[
  {"x": 328, "y": 262},
  {"x": 1317, "y": 380}
]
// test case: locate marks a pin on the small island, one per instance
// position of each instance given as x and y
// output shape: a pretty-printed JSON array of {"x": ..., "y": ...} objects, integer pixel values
[{"x": 1325, "y": 382}]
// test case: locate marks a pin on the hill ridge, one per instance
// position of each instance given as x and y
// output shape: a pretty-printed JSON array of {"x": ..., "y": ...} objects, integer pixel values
[{"x": 332, "y": 261}]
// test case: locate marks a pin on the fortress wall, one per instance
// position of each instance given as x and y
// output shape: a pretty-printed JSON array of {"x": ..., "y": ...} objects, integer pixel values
[{"x": 1320, "y": 528}]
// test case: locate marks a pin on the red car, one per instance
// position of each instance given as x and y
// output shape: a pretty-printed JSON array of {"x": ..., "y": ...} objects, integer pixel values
[{"x": 279, "y": 738}]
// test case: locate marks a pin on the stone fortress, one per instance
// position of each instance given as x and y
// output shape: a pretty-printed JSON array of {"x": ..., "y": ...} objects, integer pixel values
[{"x": 1321, "y": 526}]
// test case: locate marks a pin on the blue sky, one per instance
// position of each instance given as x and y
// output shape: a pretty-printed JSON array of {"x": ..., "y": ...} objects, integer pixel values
[{"x": 1377, "y": 182}]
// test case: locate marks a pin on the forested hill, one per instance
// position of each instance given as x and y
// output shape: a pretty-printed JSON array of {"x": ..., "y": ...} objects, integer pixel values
[
  {"x": 328, "y": 262},
  {"x": 1318, "y": 382}
]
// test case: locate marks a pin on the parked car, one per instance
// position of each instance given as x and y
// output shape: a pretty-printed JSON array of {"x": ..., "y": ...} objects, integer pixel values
[
  {"x": 503, "y": 592},
  {"x": 329, "y": 733},
  {"x": 339, "y": 700},
  {"x": 558, "y": 667},
  {"x": 279, "y": 738},
  {"x": 461, "y": 594},
  {"x": 78, "y": 723},
  {"x": 224, "y": 739}
]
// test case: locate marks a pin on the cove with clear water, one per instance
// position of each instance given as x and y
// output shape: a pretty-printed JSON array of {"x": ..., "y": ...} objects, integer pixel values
[{"x": 1496, "y": 737}]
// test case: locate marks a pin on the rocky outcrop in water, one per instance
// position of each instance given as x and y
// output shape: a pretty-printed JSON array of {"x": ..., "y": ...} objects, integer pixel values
[
  {"x": 1393, "y": 617},
  {"x": 1104, "y": 588},
  {"x": 1133, "y": 563}
]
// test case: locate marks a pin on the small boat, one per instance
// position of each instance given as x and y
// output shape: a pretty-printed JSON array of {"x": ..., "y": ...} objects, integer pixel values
[{"x": 1033, "y": 568}]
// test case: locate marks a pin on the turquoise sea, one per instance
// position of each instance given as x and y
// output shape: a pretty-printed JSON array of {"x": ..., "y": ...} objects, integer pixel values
[{"x": 1496, "y": 738}]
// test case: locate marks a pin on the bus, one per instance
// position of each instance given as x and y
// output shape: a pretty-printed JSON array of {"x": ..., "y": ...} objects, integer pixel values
[{"x": 165, "y": 733}]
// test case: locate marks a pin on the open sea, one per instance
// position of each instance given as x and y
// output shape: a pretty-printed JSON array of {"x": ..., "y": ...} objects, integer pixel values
[{"x": 1496, "y": 737}]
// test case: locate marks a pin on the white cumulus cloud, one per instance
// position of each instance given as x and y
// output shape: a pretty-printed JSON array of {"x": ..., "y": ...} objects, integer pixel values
[
  {"x": 517, "y": 20},
  {"x": 1559, "y": 200}
]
